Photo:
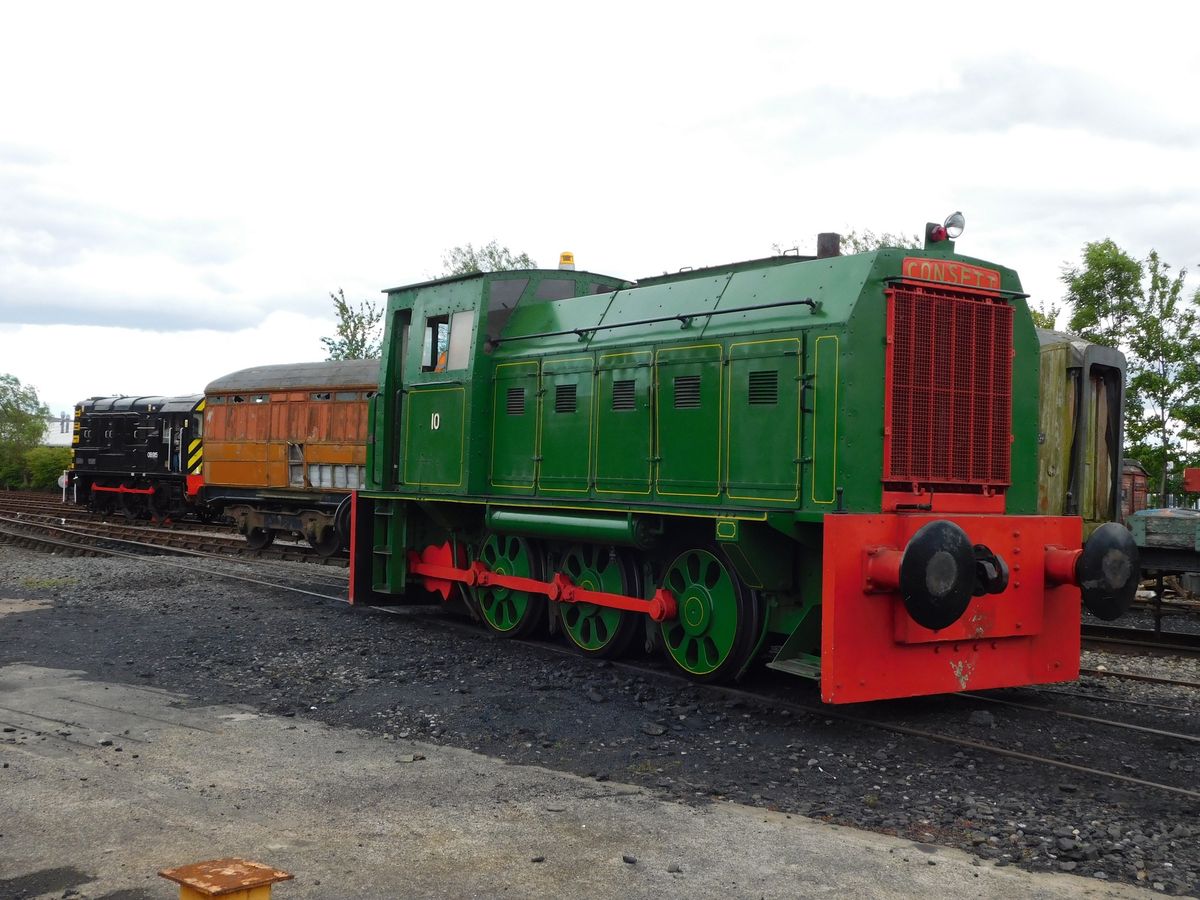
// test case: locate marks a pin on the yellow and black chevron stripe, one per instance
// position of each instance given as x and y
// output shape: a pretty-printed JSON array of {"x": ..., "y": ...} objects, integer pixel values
[
  {"x": 195, "y": 456},
  {"x": 75, "y": 429},
  {"x": 196, "y": 448}
]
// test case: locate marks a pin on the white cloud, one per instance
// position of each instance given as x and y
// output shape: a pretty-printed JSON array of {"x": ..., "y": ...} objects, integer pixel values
[
  {"x": 168, "y": 168},
  {"x": 68, "y": 363}
]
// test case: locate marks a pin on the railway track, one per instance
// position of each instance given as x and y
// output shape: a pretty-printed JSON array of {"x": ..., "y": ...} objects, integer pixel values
[
  {"x": 1133, "y": 640},
  {"x": 82, "y": 536},
  {"x": 768, "y": 701}
]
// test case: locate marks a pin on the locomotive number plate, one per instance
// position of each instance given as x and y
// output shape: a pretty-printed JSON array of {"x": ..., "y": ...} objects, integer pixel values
[{"x": 951, "y": 272}]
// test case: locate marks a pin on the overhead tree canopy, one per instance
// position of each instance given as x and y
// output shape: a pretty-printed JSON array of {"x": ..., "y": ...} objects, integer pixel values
[
  {"x": 358, "y": 330},
  {"x": 491, "y": 257}
]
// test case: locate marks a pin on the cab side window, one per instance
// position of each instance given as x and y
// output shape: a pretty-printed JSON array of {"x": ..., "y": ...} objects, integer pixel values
[{"x": 448, "y": 341}]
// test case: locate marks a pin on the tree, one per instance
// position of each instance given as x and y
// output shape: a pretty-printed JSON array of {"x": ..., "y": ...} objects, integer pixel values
[
  {"x": 43, "y": 465},
  {"x": 1104, "y": 293},
  {"x": 855, "y": 241},
  {"x": 22, "y": 421},
  {"x": 1045, "y": 316},
  {"x": 491, "y": 257},
  {"x": 358, "y": 332},
  {"x": 1163, "y": 398}
]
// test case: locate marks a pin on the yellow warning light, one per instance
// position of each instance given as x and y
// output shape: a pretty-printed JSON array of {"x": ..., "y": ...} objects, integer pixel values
[{"x": 566, "y": 260}]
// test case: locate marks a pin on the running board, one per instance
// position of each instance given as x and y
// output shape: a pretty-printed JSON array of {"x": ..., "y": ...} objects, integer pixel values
[{"x": 804, "y": 667}]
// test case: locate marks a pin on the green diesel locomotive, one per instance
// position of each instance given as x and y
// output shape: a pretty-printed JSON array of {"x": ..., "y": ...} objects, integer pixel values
[{"x": 831, "y": 462}]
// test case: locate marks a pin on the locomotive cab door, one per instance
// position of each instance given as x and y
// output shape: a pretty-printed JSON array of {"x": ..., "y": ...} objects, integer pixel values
[{"x": 434, "y": 414}]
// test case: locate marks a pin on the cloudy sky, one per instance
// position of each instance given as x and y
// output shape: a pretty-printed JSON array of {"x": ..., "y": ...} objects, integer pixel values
[{"x": 181, "y": 186}]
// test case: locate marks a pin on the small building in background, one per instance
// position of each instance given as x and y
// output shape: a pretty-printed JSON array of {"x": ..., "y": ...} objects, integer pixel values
[{"x": 57, "y": 430}]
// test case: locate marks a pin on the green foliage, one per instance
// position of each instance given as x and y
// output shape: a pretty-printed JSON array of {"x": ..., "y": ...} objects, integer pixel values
[
  {"x": 22, "y": 421},
  {"x": 491, "y": 257},
  {"x": 1104, "y": 293},
  {"x": 22, "y": 415},
  {"x": 43, "y": 465},
  {"x": 855, "y": 241},
  {"x": 1163, "y": 401},
  {"x": 358, "y": 330},
  {"x": 1140, "y": 307},
  {"x": 1045, "y": 315}
]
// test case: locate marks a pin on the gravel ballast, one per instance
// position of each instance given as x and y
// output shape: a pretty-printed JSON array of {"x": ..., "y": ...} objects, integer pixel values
[{"x": 420, "y": 674}]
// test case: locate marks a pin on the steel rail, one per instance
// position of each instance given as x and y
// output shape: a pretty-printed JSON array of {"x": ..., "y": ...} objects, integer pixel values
[
  {"x": 1137, "y": 676},
  {"x": 971, "y": 695},
  {"x": 1123, "y": 700}
]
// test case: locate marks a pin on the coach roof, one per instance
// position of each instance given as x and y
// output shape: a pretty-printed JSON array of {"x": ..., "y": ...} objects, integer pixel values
[{"x": 358, "y": 373}]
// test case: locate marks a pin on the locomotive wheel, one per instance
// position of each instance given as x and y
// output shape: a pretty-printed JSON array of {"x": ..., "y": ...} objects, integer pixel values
[
  {"x": 259, "y": 538},
  {"x": 328, "y": 541},
  {"x": 133, "y": 505},
  {"x": 102, "y": 502},
  {"x": 505, "y": 611},
  {"x": 159, "y": 503},
  {"x": 719, "y": 619},
  {"x": 598, "y": 631}
]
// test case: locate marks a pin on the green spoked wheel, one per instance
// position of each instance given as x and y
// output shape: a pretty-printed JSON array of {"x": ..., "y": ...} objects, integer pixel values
[
  {"x": 598, "y": 630},
  {"x": 506, "y": 611},
  {"x": 718, "y": 622}
]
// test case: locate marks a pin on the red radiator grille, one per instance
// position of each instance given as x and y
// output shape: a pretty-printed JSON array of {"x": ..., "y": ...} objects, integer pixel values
[{"x": 949, "y": 384}]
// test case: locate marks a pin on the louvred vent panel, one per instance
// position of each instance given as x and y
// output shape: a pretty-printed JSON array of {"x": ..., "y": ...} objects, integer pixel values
[{"x": 949, "y": 365}]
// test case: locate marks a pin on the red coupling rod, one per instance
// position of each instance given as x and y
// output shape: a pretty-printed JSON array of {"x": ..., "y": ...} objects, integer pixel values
[
  {"x": 560, "y": 588},
  {"x": 122, "y": 489}
]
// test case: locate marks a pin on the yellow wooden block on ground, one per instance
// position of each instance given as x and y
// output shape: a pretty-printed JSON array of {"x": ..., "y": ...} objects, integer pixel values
[{"x": 232, "y": 879}]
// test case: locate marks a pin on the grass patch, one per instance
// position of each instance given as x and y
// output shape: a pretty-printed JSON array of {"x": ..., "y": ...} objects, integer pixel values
[{"x": 47, "y": 583}]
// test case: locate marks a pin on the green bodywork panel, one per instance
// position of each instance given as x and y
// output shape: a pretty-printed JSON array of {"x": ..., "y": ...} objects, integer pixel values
[{"x": 750, "y": 396}]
